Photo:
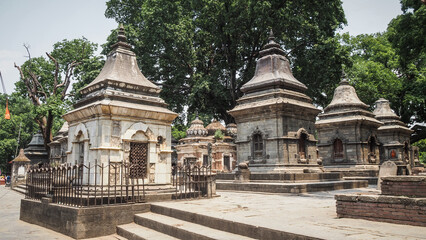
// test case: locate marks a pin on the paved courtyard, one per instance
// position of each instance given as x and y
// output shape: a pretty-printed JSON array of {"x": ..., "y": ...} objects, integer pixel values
[{"x": 308, "y": 214}]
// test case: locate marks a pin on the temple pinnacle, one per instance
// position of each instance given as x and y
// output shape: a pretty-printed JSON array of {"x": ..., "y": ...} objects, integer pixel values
[
  {"x": 121, "y": 34},
  {"x": 271, "y": 36}
]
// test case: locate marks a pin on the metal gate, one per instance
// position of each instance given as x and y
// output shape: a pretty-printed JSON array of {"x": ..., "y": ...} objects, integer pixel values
[{"x": 138, "y": 160}]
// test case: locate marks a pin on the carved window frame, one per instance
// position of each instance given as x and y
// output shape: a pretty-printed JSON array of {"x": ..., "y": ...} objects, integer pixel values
[{"x": 258, "y": 138}]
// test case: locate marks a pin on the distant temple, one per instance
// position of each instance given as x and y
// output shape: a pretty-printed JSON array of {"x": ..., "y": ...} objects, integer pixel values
[{"x": 201, "y": 147}]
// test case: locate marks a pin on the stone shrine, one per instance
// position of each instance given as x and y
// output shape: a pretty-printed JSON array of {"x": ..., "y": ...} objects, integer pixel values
[
  {"x": 19, "y": 168},
  {"x": 275, "y": 118},
  {"x": 36, "y": 151},
  {"x": 347, "y": 131},
  {"x": 121, "y": 118},
  {"x": 394, "y": 136},
  {"x": 200, "y": 147}
]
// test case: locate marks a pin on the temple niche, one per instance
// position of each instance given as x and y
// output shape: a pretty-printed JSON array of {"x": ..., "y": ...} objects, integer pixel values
[
  {"x": 347, "y": 131},
  {"x": 394, "y": 136},
  {"x": 201, "y": 147},
  {"x": 275, "y": 118},
  {"x": 122, "y": 119}
]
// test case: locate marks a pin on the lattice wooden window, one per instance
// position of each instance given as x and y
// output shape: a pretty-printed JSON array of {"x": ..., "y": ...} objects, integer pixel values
[{"x": 138, "y": 160}]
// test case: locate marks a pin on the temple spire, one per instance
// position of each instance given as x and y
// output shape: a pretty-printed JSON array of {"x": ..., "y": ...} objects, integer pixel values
[
  {"x": 121, "y": 34},
  {"x": 121, "y": 39},
  {"x": 271, "y": 36}
]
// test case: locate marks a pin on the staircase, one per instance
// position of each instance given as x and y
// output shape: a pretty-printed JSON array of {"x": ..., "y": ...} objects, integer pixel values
[
  {"x": 169, "y": 223},
  {"x": 22, "y": 188}
]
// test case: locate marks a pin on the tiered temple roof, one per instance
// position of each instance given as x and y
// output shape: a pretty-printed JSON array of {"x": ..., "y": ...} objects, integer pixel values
[
  {"x": 121, "y": 89},
  {"x": 346, "y": 107}
]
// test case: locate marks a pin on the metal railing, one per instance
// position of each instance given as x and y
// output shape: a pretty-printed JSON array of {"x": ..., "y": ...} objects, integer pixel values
[
  {"x": 99, "y": 184},
  {"x": 193, "y": 181}
]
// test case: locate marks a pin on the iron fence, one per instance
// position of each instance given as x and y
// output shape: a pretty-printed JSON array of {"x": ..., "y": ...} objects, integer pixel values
[
  {"x": 193, "y": 181},
  {"x": 98, "y": 184}
]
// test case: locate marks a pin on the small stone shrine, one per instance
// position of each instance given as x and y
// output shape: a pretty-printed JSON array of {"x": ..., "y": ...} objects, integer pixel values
[
  {"x": 394, "y": 137},
  {"x": 19, "y": 168},
  {"x": 201, "y": 147},
  {"x": 36, "y": 151},
  {"x": 275, "y": 118},
  {"x": 58, "y": 146},
  {"x": 121, "y": 118},
  {"x": 347, "y": 131}
]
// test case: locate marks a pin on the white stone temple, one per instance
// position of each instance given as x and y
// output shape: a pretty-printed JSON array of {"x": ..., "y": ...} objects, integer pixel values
[{"x": 122, "y": 119}]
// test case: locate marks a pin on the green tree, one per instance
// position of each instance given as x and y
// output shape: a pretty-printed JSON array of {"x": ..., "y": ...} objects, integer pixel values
[
  {"x": 45, "y": 81},
  {"x": 407, "y": 34},
  {"x": 374, "y": 70},
  {"x": 201, "y": 52},
  {"x": 21, "y": 111}
]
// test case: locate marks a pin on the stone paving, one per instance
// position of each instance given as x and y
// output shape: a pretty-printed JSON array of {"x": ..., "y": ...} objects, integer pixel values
[
  {"x": 311, "y": 214},
  {"x": 308, "y": 214}
]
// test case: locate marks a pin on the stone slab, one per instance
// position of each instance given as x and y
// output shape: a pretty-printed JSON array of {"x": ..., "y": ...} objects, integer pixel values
[{"x": 387, "y": 169}]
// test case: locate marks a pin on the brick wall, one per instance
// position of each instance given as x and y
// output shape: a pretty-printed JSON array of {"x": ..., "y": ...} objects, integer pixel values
[
  {"x": 393, "y": 209},
  {"x": 412, "y": 186}
]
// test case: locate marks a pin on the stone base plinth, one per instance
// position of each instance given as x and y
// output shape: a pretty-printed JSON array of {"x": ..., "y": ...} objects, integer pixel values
[
  {"x": 393, "y": 209},
  {"x": 79, "y": 223},
  {"x": 413, "y": 186}
]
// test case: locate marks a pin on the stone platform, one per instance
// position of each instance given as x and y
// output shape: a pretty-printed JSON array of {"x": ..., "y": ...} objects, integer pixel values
[
  {"x": 311, "y": 216},
  {"x": 402, "y": 201},
  {"x": 288, "y": 182},
  {"x": 301, "y": 187}
]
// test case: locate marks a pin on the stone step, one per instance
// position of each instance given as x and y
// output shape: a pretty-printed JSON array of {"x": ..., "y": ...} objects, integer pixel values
[
  {"x": 182, "y": 229},
  {"x": 133, "y": 231},
  {"x": 237, "y": 227},
  {"x": 22, "y": 188},
  {"x": 277, "y": 187}
]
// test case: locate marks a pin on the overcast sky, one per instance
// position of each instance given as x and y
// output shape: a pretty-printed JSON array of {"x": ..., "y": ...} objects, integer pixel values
[{"x": 41, "y": 23}]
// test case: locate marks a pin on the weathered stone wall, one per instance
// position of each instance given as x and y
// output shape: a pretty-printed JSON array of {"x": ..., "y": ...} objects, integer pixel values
[
  {"x": 413, "y": 186},
  {"x": 393, "y": 209},
  {"x": 355, "y": 144}
]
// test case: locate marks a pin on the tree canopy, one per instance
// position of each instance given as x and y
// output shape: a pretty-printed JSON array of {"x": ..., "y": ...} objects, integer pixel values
[
  {"x": 201, "y": 52},
  {"x": 45, "y": 81}
]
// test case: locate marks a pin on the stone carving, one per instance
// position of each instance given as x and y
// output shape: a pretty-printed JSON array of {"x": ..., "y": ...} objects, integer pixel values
[{"x": 387, "y": 169}]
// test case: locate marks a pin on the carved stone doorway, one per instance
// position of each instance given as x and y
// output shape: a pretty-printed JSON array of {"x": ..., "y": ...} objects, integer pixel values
[
  {"x": 138, "y": 158},
  {"x": 226, "y": 163}
]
